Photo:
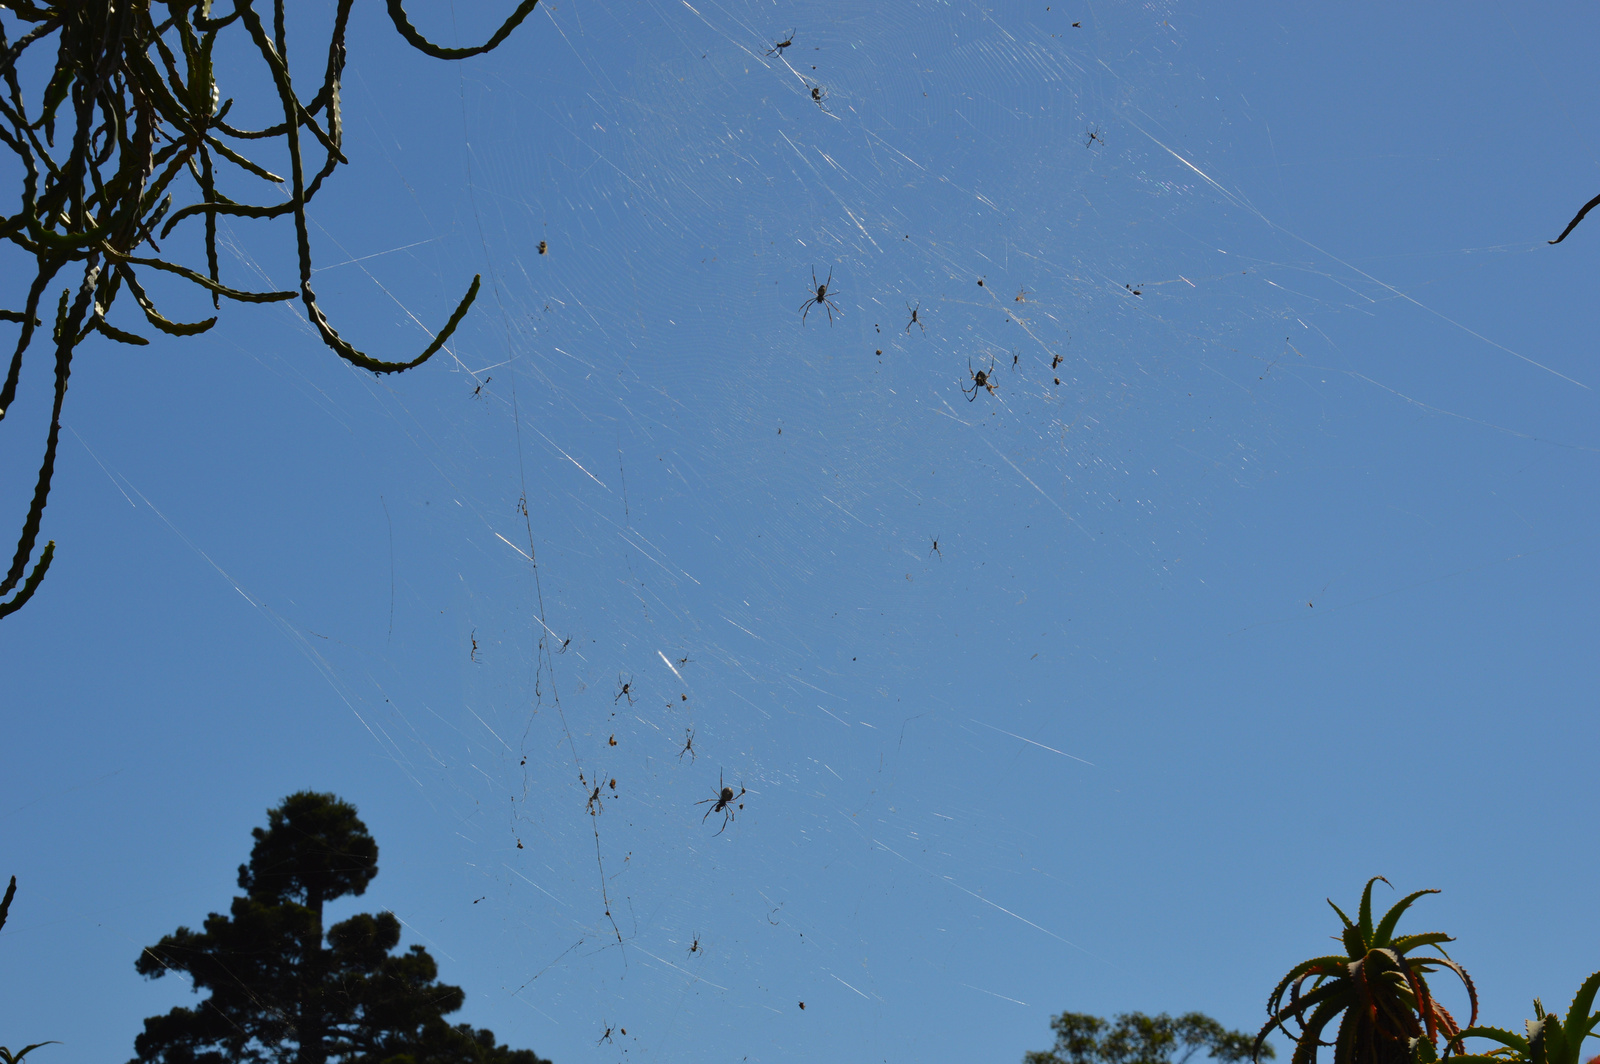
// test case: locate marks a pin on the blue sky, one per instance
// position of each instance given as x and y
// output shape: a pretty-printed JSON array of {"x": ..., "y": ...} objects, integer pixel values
[{"x": 1289, "y": 582}]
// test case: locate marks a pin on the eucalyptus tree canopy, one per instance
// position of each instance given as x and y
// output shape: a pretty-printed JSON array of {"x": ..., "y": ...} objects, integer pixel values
[{"x": 1134, "y": 1038}]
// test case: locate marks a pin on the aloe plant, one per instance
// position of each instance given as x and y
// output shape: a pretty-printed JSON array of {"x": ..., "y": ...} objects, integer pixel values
[
  {"x": 1390, "y": 1015},
  {"x": 1549, "y": 1040}
]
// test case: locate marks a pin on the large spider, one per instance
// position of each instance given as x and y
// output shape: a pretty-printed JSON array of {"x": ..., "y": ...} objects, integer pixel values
[
  {"x": 914, "y": 319},
  {"x": 821, "y": 299},
  {"x": 980, "y": 379},
  {"x": 725, "y": 798},
  {"x": 778, "y": 46}
]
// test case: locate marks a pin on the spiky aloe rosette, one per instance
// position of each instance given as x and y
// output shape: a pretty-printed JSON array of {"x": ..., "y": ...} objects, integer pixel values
[
  {"x": 131, "y": 138},
  {"x": 1389, "y": 1014},
  {"x": 1550, "y": 1039}
]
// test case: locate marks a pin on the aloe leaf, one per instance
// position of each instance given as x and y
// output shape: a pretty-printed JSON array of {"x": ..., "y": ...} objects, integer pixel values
[
  {"x": 1579, "y": 1016},
  {"x": 1554, "y": 1037},
  {"x": 1509, "y": 1039},
  {"x": 1365, "y": 922},
  {"x": 1392, "y": 917},
  {"x": 1331, "y": 965},
  {"x": 1407, "y": 943}
]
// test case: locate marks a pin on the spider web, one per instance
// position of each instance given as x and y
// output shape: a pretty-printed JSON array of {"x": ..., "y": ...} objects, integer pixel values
[{"x": 641, "y": 531}]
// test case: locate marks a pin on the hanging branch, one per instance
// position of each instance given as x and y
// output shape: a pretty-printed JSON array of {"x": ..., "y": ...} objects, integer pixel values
[
  {"x": 1587, "y": 207},
  {"x": 142, "y": 122}
]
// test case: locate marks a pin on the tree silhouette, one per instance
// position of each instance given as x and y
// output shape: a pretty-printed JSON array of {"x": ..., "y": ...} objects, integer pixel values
[
  {"x": 282, "y": 989},
  {"x": 1134, "y": 1038}
]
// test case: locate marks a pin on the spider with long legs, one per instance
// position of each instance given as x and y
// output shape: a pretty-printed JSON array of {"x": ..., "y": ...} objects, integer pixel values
[
  {"x": 688, "y": 745},
  {"x": 1094, "y": 138},
  {"x": 821, "y": 299},
  {"x": 624, "y": 690},
  {"x": 981, "y": 379},
  {"x": 914, "y": 319},
  {"x": 819, "y": 93},
  {"x": 778, "y": 46},
  {"x": 724, "y": 801}
]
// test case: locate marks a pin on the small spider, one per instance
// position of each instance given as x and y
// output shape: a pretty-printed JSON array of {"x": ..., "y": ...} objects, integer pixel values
[
  {"x": 821, "y": 299},
  {"x": 688, "y": 745},
  {"x": 694, "y": 947},
  {"x": 778, "y": 46},
  {"x": 725, "y": 798},
  {"x": 625, "y": 691},
  {"x": 818, "y": 95},
  {"x": 914, "y": 320},
  {"x": 594, "y": 807},
  {"x": 936, "y": 549},
  {"x": 607, "y": 1036},
  {"x": 1095, "y": 137},
  {"x": 980, "y": 379}
]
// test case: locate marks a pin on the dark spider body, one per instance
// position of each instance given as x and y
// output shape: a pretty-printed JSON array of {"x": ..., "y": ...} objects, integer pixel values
[
  {"x": 724, "y": 800},
  {"x": 980, "y": 379},
  {"x": 821, "y": 299},
  {"x": 778, "y": 46},
  {"x": 914, "y": 319}
]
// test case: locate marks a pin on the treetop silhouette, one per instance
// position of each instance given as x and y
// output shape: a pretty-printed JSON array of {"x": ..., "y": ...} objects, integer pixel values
[{"x": 282, "y": 990}]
